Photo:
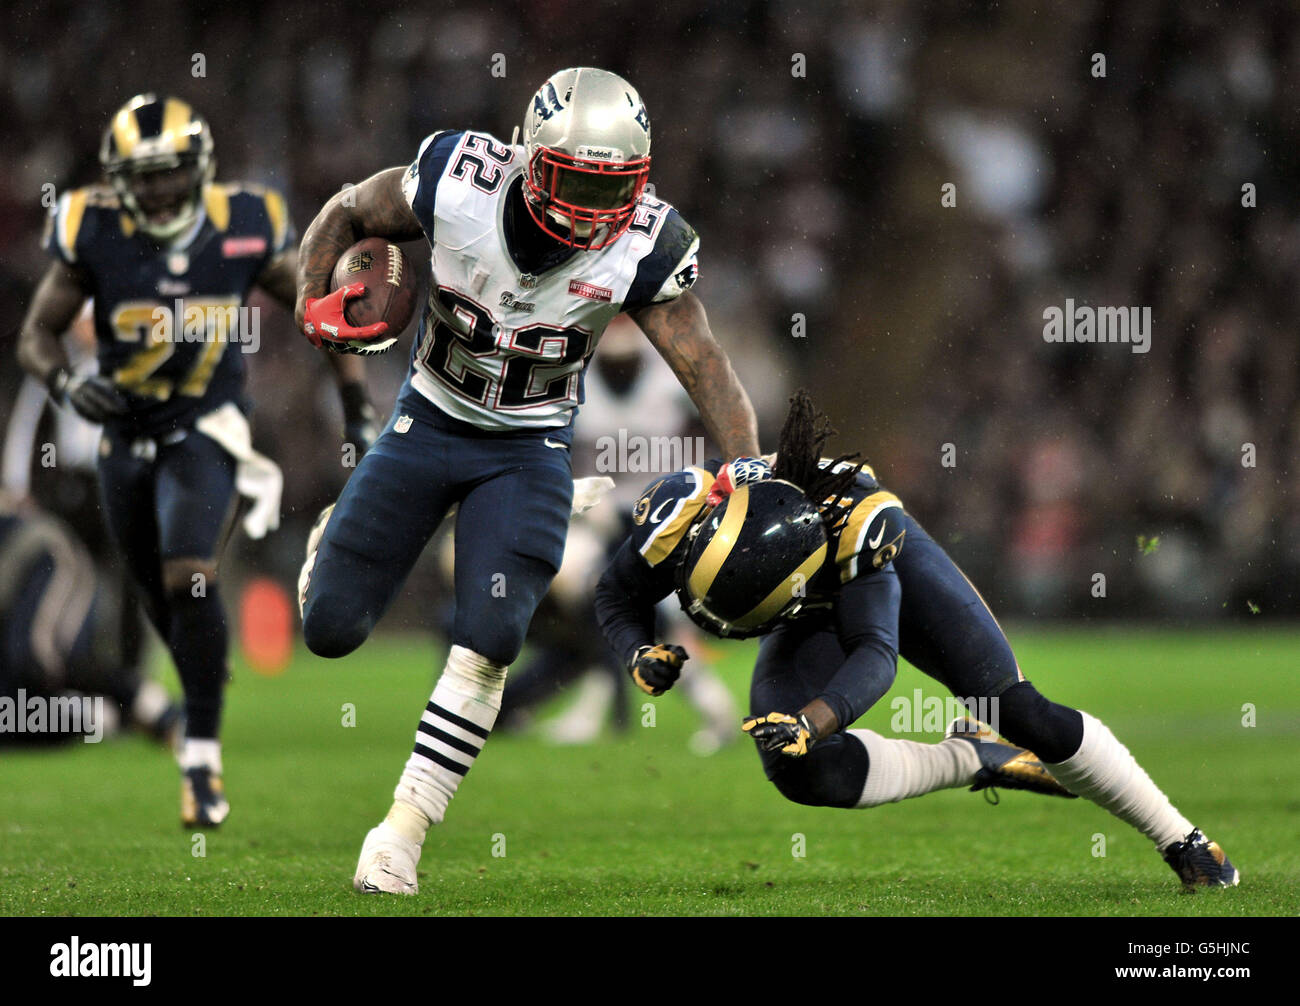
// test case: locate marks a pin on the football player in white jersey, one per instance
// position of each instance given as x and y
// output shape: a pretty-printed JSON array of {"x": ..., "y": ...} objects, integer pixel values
[{"x": 536, "y": 247}]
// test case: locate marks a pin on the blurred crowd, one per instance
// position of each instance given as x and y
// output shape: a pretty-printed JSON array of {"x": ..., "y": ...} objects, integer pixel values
[{"x": 810, "y": 145}]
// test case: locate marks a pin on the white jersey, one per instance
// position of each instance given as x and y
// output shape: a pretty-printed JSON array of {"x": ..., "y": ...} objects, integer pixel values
[{"x": 502, "y": 348}]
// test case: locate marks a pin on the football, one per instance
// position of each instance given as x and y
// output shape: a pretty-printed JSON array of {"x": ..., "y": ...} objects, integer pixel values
[{"x": 391, "y": 291}]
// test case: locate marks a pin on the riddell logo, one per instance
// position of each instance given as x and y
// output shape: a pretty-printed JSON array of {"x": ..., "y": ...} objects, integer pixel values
[{"x": 589, "y": 291}]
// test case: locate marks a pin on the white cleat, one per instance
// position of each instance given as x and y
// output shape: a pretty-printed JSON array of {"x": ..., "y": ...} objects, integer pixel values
[{"x": 387, "y": 863}]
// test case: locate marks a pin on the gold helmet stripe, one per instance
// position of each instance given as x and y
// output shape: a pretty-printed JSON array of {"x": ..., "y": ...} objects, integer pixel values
[
  {"x": 70, "y": 222},
  {"x": 784, "y": 593},
  {"x": 126, "y": 131},
  {"x": 177, "y": 118},
  {"x": 716, "y": 552}
]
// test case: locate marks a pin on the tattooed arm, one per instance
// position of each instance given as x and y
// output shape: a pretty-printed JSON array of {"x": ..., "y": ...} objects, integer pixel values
[
  {"x": 679, "y": 330},
  {"x": 378, "y": 209}
]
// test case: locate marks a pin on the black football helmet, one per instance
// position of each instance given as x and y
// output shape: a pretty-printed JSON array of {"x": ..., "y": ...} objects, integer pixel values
[
  {"x": 749, "y": 560},
  {"x": 157, "y": 153}
]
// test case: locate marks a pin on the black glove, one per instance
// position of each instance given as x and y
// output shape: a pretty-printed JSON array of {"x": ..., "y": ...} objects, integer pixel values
[
  {"x": 95, "y": 397},
  {"x": 655, "y": 668},
  {"x": 359, "y": 428},
  {"x": 780, "y": 732}
]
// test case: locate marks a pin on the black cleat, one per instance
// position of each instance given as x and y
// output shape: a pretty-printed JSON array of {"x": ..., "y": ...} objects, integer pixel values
[
  {"x": 1004, "y": 765},
  {"x": 203, "y": 799},
  {"x": 1201, "y": 863}
]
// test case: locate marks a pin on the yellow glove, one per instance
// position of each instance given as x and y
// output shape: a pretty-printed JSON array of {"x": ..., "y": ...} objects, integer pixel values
[
  {"x": 656, "y": 668},
  {"x": 780, "y": 732}
]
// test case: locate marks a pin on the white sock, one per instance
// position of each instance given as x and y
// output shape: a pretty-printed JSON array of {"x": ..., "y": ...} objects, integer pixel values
[
  {"x": 201, "y": 753},
  {"x": 452, "y": 731},
  {"x": 1103, "y": 771},
  {"x": 900, "y": 769}
]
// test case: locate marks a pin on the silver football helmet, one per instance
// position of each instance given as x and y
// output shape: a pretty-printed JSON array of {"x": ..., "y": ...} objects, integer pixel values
[{"x": 587, "y": 139}]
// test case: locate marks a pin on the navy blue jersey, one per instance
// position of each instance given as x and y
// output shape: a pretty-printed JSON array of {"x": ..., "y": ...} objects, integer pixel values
[{"x": 168, "y": 321}]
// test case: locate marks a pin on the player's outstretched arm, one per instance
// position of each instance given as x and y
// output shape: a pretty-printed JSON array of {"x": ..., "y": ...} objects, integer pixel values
[
  {"x": 55, "y": 307},
  {"x": 679, "y": 330},
  {"x": 375, "y": 208},
  {"x": 62, "y": 291}
]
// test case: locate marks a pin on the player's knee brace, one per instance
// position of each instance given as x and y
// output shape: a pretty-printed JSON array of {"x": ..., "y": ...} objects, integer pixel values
[
  {"x": 1053, "y": 732},
  {"x": 830, "y": 775}
]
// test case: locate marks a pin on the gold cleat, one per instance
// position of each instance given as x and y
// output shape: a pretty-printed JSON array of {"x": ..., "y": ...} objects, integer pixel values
[
  {"x": 203, "y": 799},
  {"x": 1003, "y": 765}
]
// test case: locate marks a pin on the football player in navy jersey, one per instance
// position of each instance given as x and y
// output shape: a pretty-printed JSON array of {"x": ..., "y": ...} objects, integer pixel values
[
  {"x": 839, "y": 580},
  {"x": 169, "y": 257},
  {"x": 535, "y": 248}
]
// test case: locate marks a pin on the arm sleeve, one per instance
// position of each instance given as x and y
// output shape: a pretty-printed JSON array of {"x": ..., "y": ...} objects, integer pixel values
[
  {"x": 867, "y": 617},
  {"x": 626, "y": 597}
]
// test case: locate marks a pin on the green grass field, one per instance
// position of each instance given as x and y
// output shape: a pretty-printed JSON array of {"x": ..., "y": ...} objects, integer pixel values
[{"x": 635, "y": 824}]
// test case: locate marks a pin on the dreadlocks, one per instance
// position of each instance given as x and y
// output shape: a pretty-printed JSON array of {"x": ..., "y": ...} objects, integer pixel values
[{"x": 799, "y": 452}]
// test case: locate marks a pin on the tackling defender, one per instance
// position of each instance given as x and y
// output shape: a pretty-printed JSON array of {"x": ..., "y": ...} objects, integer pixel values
[
  {"x": 840, "y": 579},
  {"x": 536, "y": 247},
  {"x": 169, "y": 257}
]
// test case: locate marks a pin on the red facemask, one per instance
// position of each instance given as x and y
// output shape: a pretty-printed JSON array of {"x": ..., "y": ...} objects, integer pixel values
[{"x": 597, "y": 199}]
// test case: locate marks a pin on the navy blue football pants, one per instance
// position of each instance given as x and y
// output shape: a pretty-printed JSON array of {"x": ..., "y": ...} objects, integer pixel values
[
  {"x": 173, "y": 501},
  {"x": 169, "y": 501},
  {"x": 946, "y": 631},
  {"x": 513, "y": 493}
]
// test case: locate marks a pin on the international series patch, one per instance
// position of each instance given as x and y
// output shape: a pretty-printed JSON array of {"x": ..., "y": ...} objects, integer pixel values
[{"x": 590, "y": 291}]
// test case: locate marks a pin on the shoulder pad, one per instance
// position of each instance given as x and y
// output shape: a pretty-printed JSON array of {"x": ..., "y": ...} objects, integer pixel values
[
  {"x": 420, "y": 183},
  {"x": 873, "y": 529},
  {"x": 672, "y": 266},
  {"x": 665, "y": 510},
  {"x": 251, "y": 211},
  {"x": 65, "y": 228}
]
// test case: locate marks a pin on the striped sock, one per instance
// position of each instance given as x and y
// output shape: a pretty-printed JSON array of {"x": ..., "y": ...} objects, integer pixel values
[{"x": 452, "y": 731}]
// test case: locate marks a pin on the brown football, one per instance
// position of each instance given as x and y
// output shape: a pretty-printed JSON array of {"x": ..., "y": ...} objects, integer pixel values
[{"x": 392, "y": 288}]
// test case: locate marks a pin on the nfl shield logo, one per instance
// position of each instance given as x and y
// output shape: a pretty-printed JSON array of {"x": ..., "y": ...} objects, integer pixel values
[
  {"x": 177, "y": 263},
  {"x": 528, "y": 281},
  {"x": 402, "y": 425}
]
